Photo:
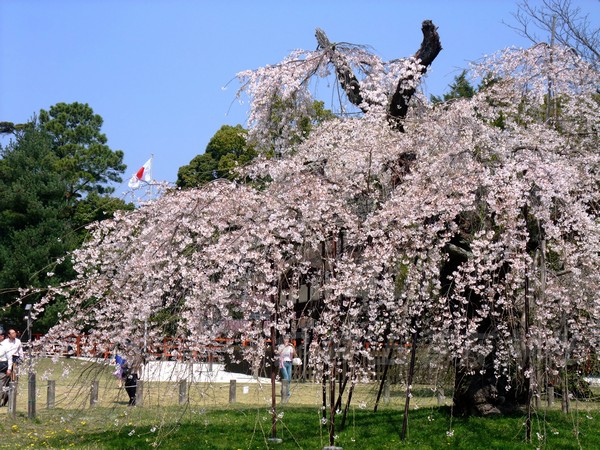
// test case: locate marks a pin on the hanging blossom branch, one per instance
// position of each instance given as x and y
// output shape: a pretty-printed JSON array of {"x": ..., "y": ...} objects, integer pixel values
[{"x": 281, "y": 96}]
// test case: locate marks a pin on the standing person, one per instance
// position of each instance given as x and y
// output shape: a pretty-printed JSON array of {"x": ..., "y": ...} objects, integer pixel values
[
  {"x": 130, "y": 372},
  {"x": 287, "y": 352},
  {"x": 4, "y": 377},
  {"x": 15, "y": 353}
]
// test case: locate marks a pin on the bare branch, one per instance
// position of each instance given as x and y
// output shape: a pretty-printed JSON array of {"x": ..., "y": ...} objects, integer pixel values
[{"x": 566, "y": 23}]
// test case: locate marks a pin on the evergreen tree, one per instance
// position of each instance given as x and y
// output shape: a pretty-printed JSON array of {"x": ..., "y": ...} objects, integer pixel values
[
  {"x": 229, "y": 148},
  {"x": 52, "y": 179},
  {"x": 87, "y": 163},
  {"x": 225, "y": 151},
  {"x": 33, "y": 212},
  {"x": 461, "y": 88}
]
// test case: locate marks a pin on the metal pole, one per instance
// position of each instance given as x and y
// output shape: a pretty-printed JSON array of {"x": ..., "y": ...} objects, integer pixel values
[{"x": 30, "y": 339}]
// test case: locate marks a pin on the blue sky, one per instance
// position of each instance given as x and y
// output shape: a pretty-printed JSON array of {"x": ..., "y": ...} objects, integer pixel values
[{"x": 155, "y": 70}]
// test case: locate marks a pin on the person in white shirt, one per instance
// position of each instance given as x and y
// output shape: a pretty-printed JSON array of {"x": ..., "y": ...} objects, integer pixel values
[
  {"x": 15, "y": 352},
  {"x": 287, "y": 353},
  {"x": 4, "y": 377}
]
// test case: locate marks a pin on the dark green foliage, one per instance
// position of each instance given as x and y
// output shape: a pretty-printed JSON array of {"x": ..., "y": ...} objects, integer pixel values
[
  {"x": 9, "y": 127},
  {"x": 83, "y": 157},
  {"x": 461, "y": 88},
  {"x": 33, "y": 211},
  {"x": 95, "y": 207},
  {"x": 229, "y": 148},
  {"x": 226, "y": 150},
  {"x": 52, "y": 180}
]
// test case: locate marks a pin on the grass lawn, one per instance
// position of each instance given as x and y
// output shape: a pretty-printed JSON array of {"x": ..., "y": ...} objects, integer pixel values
[
  {"x": 207, "y": 421},
  {"x": 298, "y": 427}
]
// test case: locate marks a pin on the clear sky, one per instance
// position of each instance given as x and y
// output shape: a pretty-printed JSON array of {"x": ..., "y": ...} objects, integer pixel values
[{"x": 155, "y": 70}]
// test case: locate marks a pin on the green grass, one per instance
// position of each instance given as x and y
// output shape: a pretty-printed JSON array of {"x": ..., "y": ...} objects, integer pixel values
[
  {"x": 208, "y": 421},
  {"x": 298, "y": 427}
]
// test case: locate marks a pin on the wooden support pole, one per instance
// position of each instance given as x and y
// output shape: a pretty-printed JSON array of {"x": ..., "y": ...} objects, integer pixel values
[
  {"x": 232, "y": 391},
  {"x": 94, "y": 392},
  {"x": 51, "y": 397},
  {"x": 384, "y": 376},
  {"x": 182, "y": 392},
  {"x": 31, "y": 395},
  {"x": 12, "y": 398}
]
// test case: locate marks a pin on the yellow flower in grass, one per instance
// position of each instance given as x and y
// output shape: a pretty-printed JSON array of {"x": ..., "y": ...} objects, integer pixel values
[{"x": 15, "y": 429}]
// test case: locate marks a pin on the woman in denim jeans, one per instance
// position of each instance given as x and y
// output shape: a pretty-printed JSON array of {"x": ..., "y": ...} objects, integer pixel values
[{"x": 287, "y": 352}]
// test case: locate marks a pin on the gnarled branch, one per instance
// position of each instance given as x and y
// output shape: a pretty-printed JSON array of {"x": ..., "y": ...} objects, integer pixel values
[
  {"x": 430, "y": 48},
  {"x": 398, "y": 108},
  {"x": 344, "y": 72}
]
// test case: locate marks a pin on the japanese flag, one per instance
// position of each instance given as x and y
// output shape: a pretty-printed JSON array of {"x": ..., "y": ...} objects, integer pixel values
[{"x": 144, "y": 174}]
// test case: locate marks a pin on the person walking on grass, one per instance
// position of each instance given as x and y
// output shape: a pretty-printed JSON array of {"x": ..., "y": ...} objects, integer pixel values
[
  {"x": 131, "y": 367},
  {"x": 287, "y": 353},
  {"x": 130, "y": 373}
]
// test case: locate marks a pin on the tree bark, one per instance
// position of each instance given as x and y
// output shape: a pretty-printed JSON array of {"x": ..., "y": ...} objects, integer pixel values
[
  {"x": 398, "y": 108},
  {"x": 344, "y": 72},
  {"x": 430, "y": 48}
]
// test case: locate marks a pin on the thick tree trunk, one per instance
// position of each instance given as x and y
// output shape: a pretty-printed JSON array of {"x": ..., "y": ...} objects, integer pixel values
[
  {"x": 430, "y": 48},
  {"x": 344, "y": 72},
  {"x": 405, "y": 89},
  {"x": 477, "y": 391},
  {"x": 481, "y": 394}
]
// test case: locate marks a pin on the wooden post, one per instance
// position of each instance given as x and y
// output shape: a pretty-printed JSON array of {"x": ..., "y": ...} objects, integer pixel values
[
  {"x": 440, "y": 397},
  {"x": 12, "y": 398},
  {"x": 139, "y": 393},
  {"x": 182, "y": 392},
  {"x": 50, "y": 399},
  {"x": 565, "y": 403},
  {"x": 232, "y": 390},
  {"x": 550, "y": 395},
  {"x": 285, "y": 391},
  {"x": 386, "y": 392},
  {"x": 31, "y": 395},
  {"x": 94, "y": 392}
]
